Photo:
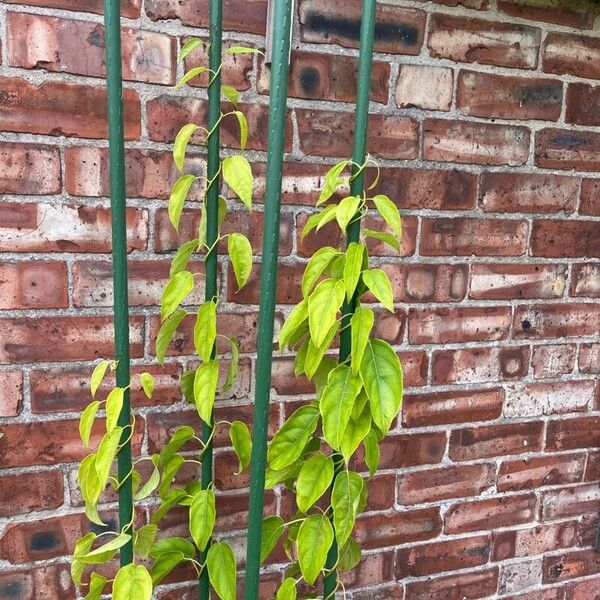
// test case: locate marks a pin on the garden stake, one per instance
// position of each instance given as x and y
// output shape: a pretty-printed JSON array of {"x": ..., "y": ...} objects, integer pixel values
[
  {"x": 276, "y": 137},
  {"x": 112, "y": 22}
]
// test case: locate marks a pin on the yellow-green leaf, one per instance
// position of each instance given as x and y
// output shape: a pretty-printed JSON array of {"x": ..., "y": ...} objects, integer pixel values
[
  {"x": 203, "y": 514},
  {"x": 272, "y": 529},
  {"x": 166, "y": 332},
  {"x": 176, "y": 291},
  {"x": 188, "y": 47},
  {"x": 241, "y": 117},
  {"x": 295, "y": 319},
  {"x": 230, "y": 93},
  {"x": 379, "y": 284},
  {"x": 383, "y": 236},
  {"x": 222, "y": 570},
  {"x": 371, "y": 452},
  {"x": 87, "y": 422},
  {"x": 316, "y": 266},
  {"x": 242, "y": 50},
  {"x": 181, "y": 143},
  {"x": 205, "y": 389},
  {"x": 239, "y": 434},
  {"x": 332, "y": 181},
  {"x": 240, "y": 253},
  {"x": 234, "y": 365},
  {"x": 361, "y": 325},
  {"x": 237, "y": 174},
  {"x": 97, "y": 584},
  {"x": 114, "y": 404},
  {"x": 98, "y": 374},
  {"x": 346, "y": 211},
  {"x": 287, "y": 591},
  {"x": 323, "y": 306},
  {"x": 182, "y": 257},
  {"x": 191, "y": 74},
  {"x": 143, "y": 539},
  {"x": 313, "y": 480},
  {"x": 345, "y": 500},
  {"x": 132, "y": 583},
  {"x": 147, "y": 381},
  {"x": 179, "y": 195},
  {"x": 205, "y": 330},
  {"x": 314, "y": 540},
  {"x": 106, "y": 454},
  {"x": 353, "y": 267},
  {"x": 388, "y": 210}
]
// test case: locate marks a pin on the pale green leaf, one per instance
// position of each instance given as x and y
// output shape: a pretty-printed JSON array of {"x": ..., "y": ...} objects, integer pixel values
[
  {"x": 274, "y": 477},
  {"x": 179, "y": 195},
  {"x": 132, "y": 583},
  {"x": 240, "y": 253},
  {"x": 314, "y": 354},
  {"x": 91, "y": 487},
  {"x": 346, "y": 211},
  {"x": 287, "y": 591},
  {"x": 106, "y": 454},
  {"x": 231, "y": 94},
  {"x": 180, "y": 436},
  {"x": 314, "y": 540},
  {"x": 355, "y": 432},
  {"x": 323, "y": 306},
  {"x": 272, "y": 528},
  {"x": 188, "y": 47},
  {"x": 164, "y": 564},
  {"x": 371, "y": 452},
  {"x": 295, "y": 319},
  {"x": 167, "y": 504},
  {"x": 222, "y": 570},
  {"x": 239, "y": 434},
  {"x": 97, "y": 585},
  {"x": 328, "y": 214},
  {"x": 168, "y": 475},
  {"x": 182, "y": 257},
  {"x": 241, "y": 117},
  {"x": 205, "y": 330},
  {"x": 151, "y": 484},
  {"x": 205, "y": 389},
  {"x": 379, "y": 284},
  {"x": 316, "y": 266},
  {"x": 332, "y": 181},
  {"x": 173, "y": 544},
  {"x": 203, "y": 514},
  {"x": 82, "y": 547},
  {"x": 361, "y": 325},
  {"x": 87, "y": 422},
  {"x": 345, "y": 500},
  {"x": 234, "y": 365},
  {"x": 147, "y": 381},
  {"x": 191, "y": 74},
  {"x": 98, "y": 374},
  {"x": 237, "y": 174},
  {"x": 100, "y": 554},
  {"x": 388, "y": 210},
  {"x": 144, "y": 539},
  {"x": 176, "y": 291},
  {"x": 349, "y": 556},
  {"x": 114, "y": 405},
  {"x": 166, "y": 332},
  {"x": 353, "y": 267},
  {"x": 383, "y": 236},
  {"x": 242, "y": 50},
  {"x": 181, "y": 143},
  {"x": 313, "y": 481}
]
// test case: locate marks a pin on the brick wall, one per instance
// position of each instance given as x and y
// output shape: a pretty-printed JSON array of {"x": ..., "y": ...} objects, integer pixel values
[{"x": 486, "y": 122}]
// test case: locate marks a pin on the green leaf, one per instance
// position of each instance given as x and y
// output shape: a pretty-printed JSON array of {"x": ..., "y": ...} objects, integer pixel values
[
  {"x": 242, "y": 50},
  {"x": 345, "y": 500},
  {"x": 314, "y": 540},
  {"x": 151, "y": 484},
  {"x": 106, "y": 454},
  {"x": 382, "y": 376},
  {"x": 191, "y": 74},
  {"x": 383, "y": 236},
  {"x": 234, "y": 365},
  {"x": 147, "y": 381},
  {"x": 240, "y": 252},
  {"x": 173, "y": 544},
  {"x": 272, "y": 529},
  {"x": 231, "y": 94},
  {"x": 98, "y": 375},
  {"x": 274, "y": 477},
  {"x": 202, "y": 517},
  {"x": 287, "y": 591},
  {"x": 349, "y": 556},
  {"x": 97, "y": 585},
  {"x": 332, "y": 181},
  {"x": 355, "y": 432},
  {"x": 114, "y": 405},
  {"x": 371, "y": 452},
  {"x": 289, "y": 441},
  {"x": 388, "y": 210},
  {"x": 346, "y": 211},
  {"x": 91, "y": 488},
  {"x": 241, "y": 117},
  {"x": 328, "y": 214},
  {"x": 87, "y": 422},
  {"x": 168, "y": 503},
  {"x": 169, "y": 473},
  {"x": 132, "y": 583},
  {"x": 322, "y": 374},
  {"x": 237, "y": 174},
  {"x": 239, "y": 434},
  {"x": 336, "y": 403},
  {"x": 379, "y": 283},
  {"x": 361, "y": 325},
  {"x": 176, "y": 291},
  {"x": 314, "y": 354},
  {"x": 222, "y": 214},
  {"x": 144, "y": 539},
  {"x": 82, "y": 547},
  {"x": 179, "y": 195},
  {"x": 166, "y": 332},
  {"x": 205, "y": 389},
  {"x": 313, "y": 481},
  {"x": 164, "y": 564},
  {"x": 295, "y": 319},
  {"x": 323, "y": 306},
  {"x": 106, "y": 551},
  {"x": 181, "y": 143},
  {"x": 180, "y": 436},
  {"x": 182, "y": 257},
  {"x": 316, "y": 266},
  {"x": 222, "y": 571},
  {"x": 188, "y": 47},
  {"x": 353, "y": 267},
  {"x": 205, "y": 330},
  {"x": 310, "y": 224}
]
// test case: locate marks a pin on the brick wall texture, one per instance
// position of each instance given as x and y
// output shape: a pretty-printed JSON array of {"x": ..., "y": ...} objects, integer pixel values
[{"x": 486, "y": 123}]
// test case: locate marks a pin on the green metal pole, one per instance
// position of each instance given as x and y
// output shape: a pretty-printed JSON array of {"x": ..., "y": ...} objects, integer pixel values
[
  {"x": 282, "y": 19},
  {"x": 357, "y": 187},
  {"x": 112, "y": 22},
  {"x": 212, "y": 223}
]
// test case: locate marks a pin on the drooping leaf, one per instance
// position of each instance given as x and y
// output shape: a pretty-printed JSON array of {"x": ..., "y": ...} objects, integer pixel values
[
  {"x": 181, "y": 143},
  {"x": 323, "y": 306},
  {"x": 91, "y": 487},
  {"x": 166, "y": 332},
  {"x": 205, "y": 389},
  {"x": 349, "y": 556},
  {"x": 97, "y": 585},
  {"x": 182, "y": 257},
  {"x": 332, "y": 181},
  {"x": 168, "y": 475},
  {"x": 328, "y": 214},
  {"x": 346, "y": 211},
  {"x": 132, "y": 583},
  {"x": 202, "y": 517},
  {"x": 173, "y": 497},
  {"x": 144, "y": 539},
  {"x": 379, "y": 284},
  {"x": 295, "y": 319},
  {"x": 234, "y": 365},
  {"x": 106, "y": 551},
  {"x": 180, "y": 436},
  {"x": 237, "y": 174},
  {"x": 221, "y": 215},
  {"x": 106, "y": 454},
  {"x": 355, "y": 433},
  {"x": 239, "y": 434},
  {"x": 114, "y": 405},
  {"x": 353, "y": 267},
  {"x": 176, "y": 291},
  {"x": 164, "y": 564},
  {"x": 222, "y": 570},
  {"x": 388, "y": 210},
  {"x": 240, "y": 253},
  {"x": 383, "y": 236},
  {"x": 231, "y": 94},
  {"x": 287, "y": 590},
  {"x": 98, "y": 375},
  {"x": 191, "y": 74},
  {"x": 272, "y": 529},
  {"x": 371, "y": 452},
  {"x": 345, "y": 500},
  {"x": 316, "y": 266},
  {"x": 188, "y": 47},
  {"x": 152, "y": 482},
  {"x": 82, "y": 547},
  {"x": 205, "y": 330},
  {"x": 314, "y": 540},
  {"x": 173, "y": 544},
  {"x": 314, "y": 354},
  {"x": 242, "y": 50},
  {"x": 179, "y": 195},
  {"x": 361, "y": 325},
  {"x": 274, "y": 476},
  {"x": 241, "y": 117},
  {"x": 87, "y": 422},
  {"x": 313, "y": 481}
]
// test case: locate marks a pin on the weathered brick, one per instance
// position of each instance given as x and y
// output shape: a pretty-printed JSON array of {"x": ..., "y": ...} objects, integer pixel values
[
  {"x": 30, "y": 169},
  {"x": 508, "y": 281},
  {"x": 20, "y": 494},
  {"x": 72, "y": 46},
  {"x": 52, "y": 581},
  {"x": 577, "y": 563},
  {"x": 526, "y": 192},
  {"x": 580, "y": 15},
  {"x": 585, "y": 280},
  {"x": 415, "y": 366},
  {"x": 438, "y": 408},
  {"x": 465, "y": 39},
  {"x": 567, "y": 149},
  {"x": 475, "y": 143},
  {"x": 428, "y": 88},
  {"x": 583, "y": 590},
  {"x": 496, "y": 440},
  {"x": 45, "y": 227},
  {"x": 478, "y": 365},
  {"x": 329, "y": 133},
  {"x": 374, "y": 569},
  {"x": 31, "y": 339},
  {"x": 397, "y": 30},
  {"x": 539, "y": 471},
  {"x": 398, "y": 451},
  {"x": 583, "y": 104},
  {"x": 590, "y": 197},
  {"x": 56, "y": 108},
  {"x": 478, "y": 584},
  {"x": 11, "y": 393},
  {"x": 541, "y": 594},
  {"x": 569, "y": 434},
  {"x": 478, "y": 237},
  {"x": 503, "y": 97},
  {"x": 129, "y": 8},
  {"x": 450, "y": 325},
  {"x": 563, "y": 239},
  {"x": 515, "y": 577},
  {"x": 33, "y": 284},
  {"x": 589, "y": 358},
  {"x": 568, "y": 53},
  {"x": 289, "y": 280},
  {"x": 556, "y": 320},
  {"x": 550, "y": 361}
]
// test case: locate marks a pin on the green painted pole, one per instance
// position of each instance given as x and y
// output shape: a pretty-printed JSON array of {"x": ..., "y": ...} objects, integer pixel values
[
  {"x": 212, "y": 222},
  {"x": 112, "y": 23},
  {"x": 282, "y": 20},
  {"x": 357, "y": 188}
]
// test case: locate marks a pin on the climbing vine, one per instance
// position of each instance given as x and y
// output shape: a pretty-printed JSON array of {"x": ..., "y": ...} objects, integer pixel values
[
  {"x": 357, "y": 397},
  {"x": 156, "y": 556}
]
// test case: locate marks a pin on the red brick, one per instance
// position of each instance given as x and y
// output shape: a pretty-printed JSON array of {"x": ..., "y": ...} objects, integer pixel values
[
  {"x": 49, "y": 582},
  {"x": 397, "y": 30},
  {"x": 539, "y": 471},
  {"x": 436, "y": 557},
  {"x": 71, "y": 46},
  {"x": 567, "y": 53},
  {"x": 464, "y": 586},
  {"x": 503, "y": 97},
  {"x": 148, "y": 173},
  {"x": 31, "y": 339},
  {"x": 568, "y": 434},
  {"x": 584, "y": 590},
  {"x": 439, "y": 408},
  {"x": 129, "y": 9},
  {"x": 168, "y": 114},
  {"x": 508, "y": 281},
  {"x": 578, "y": 563},
  {"x": 564, "y": 239},
  {"x": 592, "y": 468},
  {"x": 477, "y": 365},
  {"x": 478, "y": 237},
  {"x": 425, "y": 87},
  {"x": 20, "y": 494},
  {"x": 589, "y": 358},
  {"x": 475, "y": 143},
  {"x": 393, "y": 591},
  {"x": 398, "y": 451},
  {"x": 557, "y": 320},
  {"x": 415, "y": 366},
  {"x": 520, "y": 192},
  {"x": 515, "y": 577},
  {"x": 550, "y": 361},
  {"x": 289, "y": 280},
  {"x": 495, "y": 440},
  {"x": 580, "y": 16},
  {"x": 542, "y": 594},
  {"x": 317, "y": 76},
  {"x": 11, "y": 393},
  {"x": 474, "y": 4},
  {"x": 374, "y": 569},
  {"x": 458, "y": 481},
  {"x": 46, "y": 227},
  {"x": 381, "y": 492},
  {"x": 583, "y": 104},
  {"x": 39, "y": 284},
  {"x": 571, "y": 502},
  {"x": 56, "y": 108},
  {"x": 590, "y": 197},
  {"x": 29, "y": 169},
  {"x": 567, "y": 149},
  {"x": 330, "y": 133},
  {"x": 585, "y": 280},
  {"x": 465, "y": 39},
  {"x": 450, "y": 325}
]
